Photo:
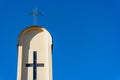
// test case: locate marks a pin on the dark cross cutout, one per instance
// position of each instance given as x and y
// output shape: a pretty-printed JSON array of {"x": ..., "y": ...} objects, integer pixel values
[{"x": 35, "y": 65}]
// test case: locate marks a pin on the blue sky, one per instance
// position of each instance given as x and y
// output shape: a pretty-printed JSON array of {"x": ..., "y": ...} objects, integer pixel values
[{"x": 86, "y": 36}]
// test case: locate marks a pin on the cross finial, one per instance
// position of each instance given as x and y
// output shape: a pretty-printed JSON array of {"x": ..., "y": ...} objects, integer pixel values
[{"x": 35, "y": 14}]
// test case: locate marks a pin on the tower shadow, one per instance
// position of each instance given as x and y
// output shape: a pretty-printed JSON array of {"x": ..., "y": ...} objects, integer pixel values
[{"x": 25, "y": 54}]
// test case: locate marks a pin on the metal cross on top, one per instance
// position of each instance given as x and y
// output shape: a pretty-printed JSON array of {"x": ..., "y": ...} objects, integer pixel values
[
  {"x": 35, "y": 14},
  {"x": 35, "y": 65}
]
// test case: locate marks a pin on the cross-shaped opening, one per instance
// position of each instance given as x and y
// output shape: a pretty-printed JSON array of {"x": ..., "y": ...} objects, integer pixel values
[{"x": 35, "y": 65}]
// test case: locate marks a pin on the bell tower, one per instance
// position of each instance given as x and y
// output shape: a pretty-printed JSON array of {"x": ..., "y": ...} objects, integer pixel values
[{"x": 34, "y": 54}]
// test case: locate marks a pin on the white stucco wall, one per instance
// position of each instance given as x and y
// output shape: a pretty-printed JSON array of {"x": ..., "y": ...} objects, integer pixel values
[{"x": 39, "y": 40}]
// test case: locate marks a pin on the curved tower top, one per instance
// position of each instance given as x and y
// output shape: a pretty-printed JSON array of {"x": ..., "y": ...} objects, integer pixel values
[{"x": 34, "y": 27}]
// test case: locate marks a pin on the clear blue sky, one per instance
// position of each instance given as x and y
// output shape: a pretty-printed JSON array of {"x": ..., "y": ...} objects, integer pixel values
[{"x": 86, "y": 36}]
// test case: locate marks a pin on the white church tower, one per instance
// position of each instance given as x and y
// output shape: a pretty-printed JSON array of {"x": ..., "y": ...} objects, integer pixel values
[{"x": 34, "y": 54}]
